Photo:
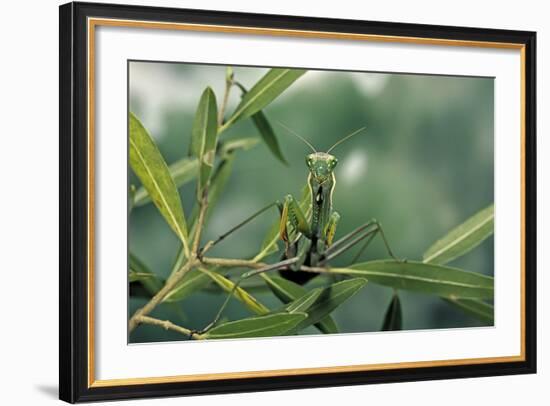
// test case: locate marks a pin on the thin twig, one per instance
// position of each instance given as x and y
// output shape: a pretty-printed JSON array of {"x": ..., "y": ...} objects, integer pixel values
[
  {"x": 316, "y": 269},
  {"x": 200, "y": 223},
  {"x": 207, "y": 246},
  {"x": 334, "y": 271},
  {"x": 167, "y": 325},
  {"x": 221, "y": 113},
  {"x": 230, "y": 262}
]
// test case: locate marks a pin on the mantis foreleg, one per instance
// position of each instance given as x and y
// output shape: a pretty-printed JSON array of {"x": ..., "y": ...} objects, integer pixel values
[
  {"x": 292, "y": 213},
  {"x": 238, "y": 226},
  {"x": 330, "y": 229}
]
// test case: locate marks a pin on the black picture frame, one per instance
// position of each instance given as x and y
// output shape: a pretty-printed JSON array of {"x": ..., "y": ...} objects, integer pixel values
[{"x": 74, "y": 199}]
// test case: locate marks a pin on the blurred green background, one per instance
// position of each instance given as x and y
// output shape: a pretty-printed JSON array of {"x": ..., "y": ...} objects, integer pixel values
[{"x": 424, "y": 165}]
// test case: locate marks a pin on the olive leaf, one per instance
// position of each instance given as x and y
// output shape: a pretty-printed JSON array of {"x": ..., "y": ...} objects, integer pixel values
[
  {"x": 266, "y": 131},
  {"x": 463, "y": 238},
  {"x": 427, "y": 278},
  {"x": 262, "y": 326},
  {"x": 204, "y": 137},
  {"x": 151, "y": 169},
  {"x": 304, "y": 302},
  {"x": 271, "y": 85},
  {"x": 183, "y": 171}
]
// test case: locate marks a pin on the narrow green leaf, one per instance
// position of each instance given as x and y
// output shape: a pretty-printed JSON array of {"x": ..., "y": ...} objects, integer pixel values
[
  {"x": 329, "y": 299},
  {"x": 266, "y": 131},
  {"x": 182, "y": 171},
  {"x": 270, "y": 325},
  {"x": 191, "y": 282},
  {"x": 288, "y": 291},
  {"x": 427, "y": 278},
  {"x": 204, "y": 136},
  {"x": 239, "y": 293},
  {"x": 302, "y": 304},
  {"x": 268, "y": 135},
  {"x": 149, "y": 166},
  {"x": 393, "y": 320},
  {"x": 477, "y": 308},
  {"x": 271, "y": 85},
  {"x": 463, "y": 238}
]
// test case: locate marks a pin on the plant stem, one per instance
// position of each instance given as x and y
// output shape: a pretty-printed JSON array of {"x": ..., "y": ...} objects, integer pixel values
[
  {"x": 230, "y": 262},
  {"x": 316, "y": 269},
  {"x": 167, "y": 325},
  {"x": 200, "y": 223},
  {"x": 221, "y": 113}
]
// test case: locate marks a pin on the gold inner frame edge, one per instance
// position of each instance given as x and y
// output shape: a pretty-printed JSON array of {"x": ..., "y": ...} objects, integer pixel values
[{"x": 93, "y": 22}]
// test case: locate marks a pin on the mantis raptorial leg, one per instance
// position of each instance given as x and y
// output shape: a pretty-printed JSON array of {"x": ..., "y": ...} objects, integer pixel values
[{"x": 236, "y": 227}]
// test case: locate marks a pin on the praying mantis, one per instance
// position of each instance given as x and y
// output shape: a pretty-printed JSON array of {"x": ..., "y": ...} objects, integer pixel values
[{"x": 308, "y": 235}]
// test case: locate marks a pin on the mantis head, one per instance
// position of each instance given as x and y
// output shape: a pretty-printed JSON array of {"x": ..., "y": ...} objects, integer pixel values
[{"x": 321, "y": 165}]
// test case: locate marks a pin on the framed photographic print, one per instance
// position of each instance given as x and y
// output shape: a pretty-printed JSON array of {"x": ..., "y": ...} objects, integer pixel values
[{"x": 255, "y": 202}]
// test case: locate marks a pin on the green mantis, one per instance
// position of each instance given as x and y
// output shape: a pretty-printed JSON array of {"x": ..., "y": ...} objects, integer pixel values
[{"x": 309, "y": 234}]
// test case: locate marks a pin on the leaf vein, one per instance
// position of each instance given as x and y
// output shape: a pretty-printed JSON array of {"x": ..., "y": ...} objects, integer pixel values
[{"x": 414, "y": 278}]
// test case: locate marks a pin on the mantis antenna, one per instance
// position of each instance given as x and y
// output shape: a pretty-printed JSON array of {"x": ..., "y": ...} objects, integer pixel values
[
  {"x": 345, "y": 138},
  {"x": 296, "y": 135}
]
